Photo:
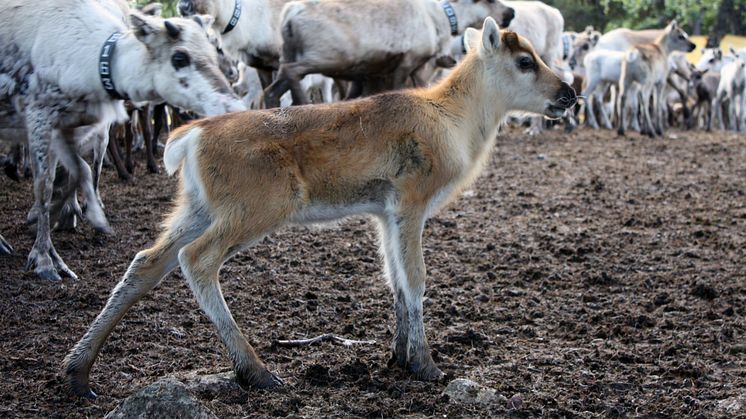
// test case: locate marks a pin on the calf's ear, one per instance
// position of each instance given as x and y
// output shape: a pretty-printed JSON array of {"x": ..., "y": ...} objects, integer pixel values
[
  {"x": 471, "y": 39},
  {"x": 490, "y": 35}
]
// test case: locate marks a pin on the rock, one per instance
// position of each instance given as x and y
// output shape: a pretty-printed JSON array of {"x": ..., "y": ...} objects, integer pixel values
[
  {"x": 732, "y": 406},
  {"x": 467, "y": 391},
  {"x": 210, "y": 386},
  {"x": 166, "y": 398},
  {"x": 515, "y": 402}
]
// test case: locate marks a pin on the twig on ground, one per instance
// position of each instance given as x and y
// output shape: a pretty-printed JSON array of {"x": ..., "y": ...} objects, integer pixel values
[{"x": 319, "y": 339}]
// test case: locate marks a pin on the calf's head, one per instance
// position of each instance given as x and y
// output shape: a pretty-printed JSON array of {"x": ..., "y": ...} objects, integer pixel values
[
  {"x": 515, "y": 75},
  {"x": 184, "y": 65},
  {"x": 676, "y": 39},
  {"x": 711, "y": 59},
  {"x": 582, "y": 44}
]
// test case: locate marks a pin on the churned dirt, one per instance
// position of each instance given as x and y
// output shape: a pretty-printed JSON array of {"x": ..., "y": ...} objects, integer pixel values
[{"x": 581, "y": 275}]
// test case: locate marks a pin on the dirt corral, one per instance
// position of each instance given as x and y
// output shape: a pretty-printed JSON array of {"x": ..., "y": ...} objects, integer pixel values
[{"x": 588, "y": 275}]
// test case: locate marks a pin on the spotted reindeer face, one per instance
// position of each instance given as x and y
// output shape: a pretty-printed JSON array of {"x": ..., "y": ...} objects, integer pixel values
[
  {"x": 185, "y": 65},
  {"x": 512, "y": 68}
]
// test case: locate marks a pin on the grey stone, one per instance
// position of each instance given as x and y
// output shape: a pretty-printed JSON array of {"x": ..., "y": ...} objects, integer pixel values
[
  {"x": 467, "y": 391},
  {"x": 166, "y": 398},
  {"x": 211, "y": 386}
]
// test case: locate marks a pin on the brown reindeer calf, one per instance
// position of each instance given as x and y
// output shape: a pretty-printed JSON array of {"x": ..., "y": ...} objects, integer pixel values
[{"x": 397, "y": 156}]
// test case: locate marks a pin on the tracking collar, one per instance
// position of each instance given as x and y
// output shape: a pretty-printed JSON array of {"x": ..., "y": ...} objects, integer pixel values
[
  {"x": 234, "y": 17},
  {"x": 565, "y": 46},
  {"x": 451, "y": 15},
  {"x": 105, "y": 67}
]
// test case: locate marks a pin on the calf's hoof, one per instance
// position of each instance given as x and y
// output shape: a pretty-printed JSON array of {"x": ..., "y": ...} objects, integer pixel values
[
  {"x": 261, "y": 379},
  {"x": 82, "y": 390},
  {"x": 397, "y": 360},
  {"x": 427, "y": 372},
  {"x": 77, "y": 382}
]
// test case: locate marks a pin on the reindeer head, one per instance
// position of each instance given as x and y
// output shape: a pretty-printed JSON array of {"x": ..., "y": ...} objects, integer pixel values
[
  {"x": 473, "y": 12},
  {"x": 582, "y": 44},
  {"x": 676, "y": 39},
  {"x": 515, "y": 75},
  {"x": 184, "y": 65},
  {"x": 226, "y": 63},
  {"x": 711, "y": 59}
]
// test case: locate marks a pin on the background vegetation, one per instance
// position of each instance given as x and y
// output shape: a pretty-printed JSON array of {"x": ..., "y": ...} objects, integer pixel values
[{"x": 713, "y": 18}]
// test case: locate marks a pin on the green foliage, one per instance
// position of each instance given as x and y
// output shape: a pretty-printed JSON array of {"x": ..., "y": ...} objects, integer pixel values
[{"x": 170, "y": 7}]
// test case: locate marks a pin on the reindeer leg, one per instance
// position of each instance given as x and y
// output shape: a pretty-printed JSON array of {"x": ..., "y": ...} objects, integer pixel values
[
  {"x": 406, "y": 230},
  {"x": 397, "y": 280},
  {"x": 5, "y": 247},
  {"x": 200, "y": 263},
  {"x": 116, "y": 155},
  {"x": 143, "y": 274},
  {"x": 146, "y": 126},
  {"x": 43, "y": 257}
]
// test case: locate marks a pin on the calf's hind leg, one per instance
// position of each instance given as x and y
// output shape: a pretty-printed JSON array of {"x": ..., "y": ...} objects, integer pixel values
[
  {"x": 200, "y": 262},
  {"x": 143, "y": 274}
]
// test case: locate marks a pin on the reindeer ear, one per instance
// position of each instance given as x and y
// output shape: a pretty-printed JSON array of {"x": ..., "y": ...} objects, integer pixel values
[
  {"x": 145, "y": 28},
  {"x": 204, "y": 20},
  {"x": 594, "y": 38},
  {"x": 490, "y": 35},
  {"x": 673, "y": 25},
  {"x": 471, "y": 39}
]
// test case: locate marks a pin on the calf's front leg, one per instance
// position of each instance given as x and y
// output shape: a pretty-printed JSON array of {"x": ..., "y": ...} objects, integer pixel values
[{"x": 405, "y": 247}]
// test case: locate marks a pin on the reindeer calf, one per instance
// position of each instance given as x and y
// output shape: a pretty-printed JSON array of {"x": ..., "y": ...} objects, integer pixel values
[
  {"x": 644, "y": 74},
  {"x": 398, "y": 156}
]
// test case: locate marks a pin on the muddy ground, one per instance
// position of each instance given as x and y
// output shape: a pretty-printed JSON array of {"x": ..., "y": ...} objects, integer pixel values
[{"x": 593, "y": 276}]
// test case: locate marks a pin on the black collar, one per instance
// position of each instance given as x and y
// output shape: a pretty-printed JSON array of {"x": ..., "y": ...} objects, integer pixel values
[
  {"x": 234, "y": 17},
  {"x": 565, "y": 46},
  {"x": 451, "y": 15},
  {"x": 105, "y": 68}
]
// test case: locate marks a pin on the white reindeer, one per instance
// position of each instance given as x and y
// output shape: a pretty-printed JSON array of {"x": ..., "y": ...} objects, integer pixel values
[
  {"x": 377, "y": 44},
  {"x": 57, "y": 89},
  {"x": 731, "y": 93}
]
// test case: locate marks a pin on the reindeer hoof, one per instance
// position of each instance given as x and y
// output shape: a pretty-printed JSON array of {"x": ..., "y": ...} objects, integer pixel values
[
  {"x": 397, "y": 360},
  {"x": 5, "y": 247},
  {"x": 84, "y": 392},
  {"x": 48, "y": 265},
  {"x": 78, "y": 386},
  {"x": 428, "y": 372},
  {"x": 264, "y": 380}
]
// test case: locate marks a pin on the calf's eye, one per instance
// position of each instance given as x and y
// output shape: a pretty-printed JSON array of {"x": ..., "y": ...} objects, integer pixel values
[{"x": 526, "y": 63}]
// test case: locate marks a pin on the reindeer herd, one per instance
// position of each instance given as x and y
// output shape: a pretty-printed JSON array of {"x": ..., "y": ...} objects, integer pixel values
[{"x": 73, "y": 71}]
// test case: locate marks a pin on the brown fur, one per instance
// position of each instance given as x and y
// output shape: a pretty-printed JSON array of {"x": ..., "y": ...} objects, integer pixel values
[{"x": 397, "y": 156}]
